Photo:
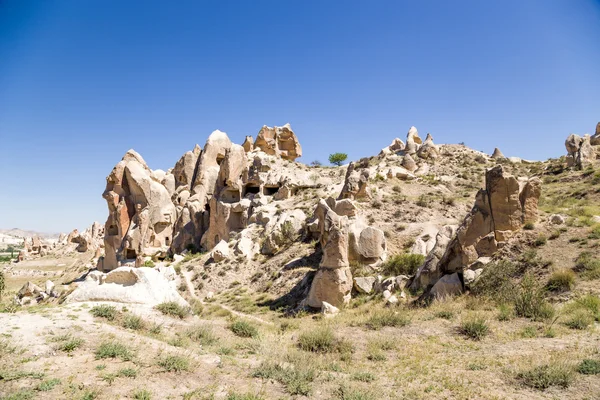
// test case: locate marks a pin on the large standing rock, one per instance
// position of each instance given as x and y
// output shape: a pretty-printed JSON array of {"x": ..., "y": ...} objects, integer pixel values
[
  {"x": 185, "y": 169},
  {"x": 409, "y": 163},
  {"x": 503, "y": 193},
  {"x": 529, "y": 198},
  {"x": 428, "y": 272},
  {"x": 447, "y": 286},
  {"x": 248, "y": 144},
  {"x": 413, "y": 141},
  {"x": 280, "y": 141},
  {"x": 355, "y": 184},
  {"x": 497, "y": 155},
  {"x": 428, "y": 150},
  {"x": 580, "y": 152},
  {"x": 396, "y": 146},
  {"x": 332, "y": 286}
]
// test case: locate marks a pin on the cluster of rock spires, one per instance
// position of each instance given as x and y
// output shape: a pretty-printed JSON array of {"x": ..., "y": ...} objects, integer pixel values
[
  {"x": 91, "y": 239},
  {"x": 500, "y": 210},
  {"x": 211, "y": 195},
  {"x": 583, "y": 151}
]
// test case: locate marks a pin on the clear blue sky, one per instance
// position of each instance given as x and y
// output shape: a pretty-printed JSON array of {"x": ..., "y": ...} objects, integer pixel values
[{"x": 82, "y": 81}]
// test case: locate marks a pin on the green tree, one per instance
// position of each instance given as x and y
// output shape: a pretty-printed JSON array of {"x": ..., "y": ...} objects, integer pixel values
[{"x": 337, "y": 158}]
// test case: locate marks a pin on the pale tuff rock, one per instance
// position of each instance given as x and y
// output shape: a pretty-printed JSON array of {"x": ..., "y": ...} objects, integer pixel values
[
  {"x": 595, "y": 140},
  {"x": 409, "y": 163},
  {"x": 497, "y": 155},
  {"x": 141, "y": 214},
  {"x": 428, "y": 150},
  {"x": 279, "y": 141},
  {"x": 150, "y": 286},
  {"x": 400, "y": 173},
  {"x": 329, "y": 310},
  {"x": 185, "y": 169},
  {"x": 220, "y": 252},
  {"x": 344, "y": 240},
  {"x": 364, "y": 284},
  {"x": 248, "y": 144},
  {"x": 580, "y": 152},
  {"x": 557, "y": 219},
  {"x": 396, "y": 146},
  {"x": 413, "y": 141},
  {"x": 355, "y": 184},
  {"x": 499, "y": 210},
  {"x": 429, "y": 273}
]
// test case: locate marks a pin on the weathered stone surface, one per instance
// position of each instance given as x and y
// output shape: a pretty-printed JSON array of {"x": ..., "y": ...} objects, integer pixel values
[
  {"x": 185, "y": 169},
  {"x": 557, "y": 219},
  {"x": 409, "y": 163},
  {"x": 364, "y": 284},
  {"x": 355, "y": 184},
  {"x": 413, "y": 141},
  {"x": 329, "y": 310},
  {"x": 29, "y": 289},
  {"x": 497, "y": 155},
  {"x": 220, "y": 252},
  {"x": 428, "y": 150},
  {"x": 429, "y": 273},
  {"x": 248, "y": 144},
  {"x": 580, "y": 152},
  {"x": 447, "y": 286},
  {"x": 332, "y": 286},
  {"x": 396, "y": 146},
  {"x": 280, "y": 141},
  {"x": 529, "y": 198}
]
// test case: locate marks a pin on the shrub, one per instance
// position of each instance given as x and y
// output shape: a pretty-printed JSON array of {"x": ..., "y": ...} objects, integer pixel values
[
  {"x": 556, "y": 373},
  {"x": 561, "y": 281},
  {"x": 423, "y": 201},
  {"x": 591, "y": 303},
  {"x": 174, "y": 363},
  {"x": 403, "y": 264},
  {"x": 323, "y": 340},
  {"x": 104, "y": 311},
  {"x": 134, "y": 322},
  {"x": 579, "y": 319},
  {"x": 70, "y": 345},
  {"x": 588, "y": 265},
  {"x": 2, "y": 284},
  {"x": 386, "y": 317},
  {"x": 297, "y": 379},
  {"x": 114, "y": 350},
  {"x": 589, "y": 367},
  {"x": 337, "y": 158},
  {"x": 530, "y": 302},
  {"x": 506, "y": 312},
  {"x": 149, "y": 264},
  {"x": 172, "y": 309},
  {"x": 540, "y": 241},
  {"x": 496, "y": 282},
  {"x": 142, "y": 394},
  {"x": 127, "y": 372},
  {"x": 245, "y": 396},
  {"x": 48, "y": 385},
  {"x": 202, "y": 334},
  {"x": 529, "y": 226},
  {"x": 243, "y": 328},
  {"x": 445, "y": 314},
  {"x": 474, "y": 327}
]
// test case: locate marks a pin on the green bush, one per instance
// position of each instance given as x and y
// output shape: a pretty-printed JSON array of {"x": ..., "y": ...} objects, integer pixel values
[
  {"x": 202, "y": 334},
  {"x": 70, "y": 345},
  {"x": 104, "y": 311},
  {"x": 148, "y": 263},
  {"x": 243, "y": 328},
  {"x": 556, "y": 373},
  {"x": 142, "y": 394},
  {"x": 2, "y": 284},
  {"x": 540, "y": 241},
  {"x": 403, "y": 264},
  {"x": 114, "y": 350},
  {"x": 174, "y": 363},
  {"x": 48, "y": 385},
  {"x": 506, "y": 312},
  {"x": 323, "y": 340},
  {"x": 474, "y": 327},
  {"x": 529, "y": 226},
  {"x": 172, "y": 309},
  {"x": 562, "y": 280},
  {"x": 589, "y": 367},
  {"x": 496, "y": 282},
  {"x": 133, "y": 322}
]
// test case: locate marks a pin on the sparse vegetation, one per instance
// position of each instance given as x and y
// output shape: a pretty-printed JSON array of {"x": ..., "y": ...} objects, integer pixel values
[
  {"x": 104, "y": 311},
  {"x": 114, "y": 350},
  {"x": 561, "y": 280},
  {"x": 243, "y": 328},
  {"x": 323, "y": 340},
  {"x": 403, "y": 264},
  {"x": 474, "y": 327},
  {"x": 173, "y": 309},
  {"x": 555, "y": 373},
  {"x": 174, "y": 363},
  {"x": 386, "y": 317},
  {"x": 589, "y": 367}
]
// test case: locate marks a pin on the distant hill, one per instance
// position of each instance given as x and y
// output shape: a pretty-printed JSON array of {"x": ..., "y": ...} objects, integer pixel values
[{"x": 21, "y": 233}]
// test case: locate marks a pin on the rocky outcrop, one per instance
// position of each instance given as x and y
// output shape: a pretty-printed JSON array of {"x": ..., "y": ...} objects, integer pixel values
[
  {"x": 580, "y": 151},
  {"x": 141, "y": 214},
  {"x": 355, "y": 183},
  {"x": 279, "y": 141},
  {"x": 345, "y": 239},
  {"x": 428, "y": 150},
  {"x": 413, "y": 141},
  {"x": 500, "y": 210},
  {"x": 396, "y": 146},
  {"x": 497, "y": 154}
]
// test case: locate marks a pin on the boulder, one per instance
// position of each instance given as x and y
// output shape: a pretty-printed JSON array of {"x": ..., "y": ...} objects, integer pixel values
[
  {"x": 557, "y": 219},
  {"x": 355, "y": 183},
  {"x": 364, "y": 284},
  {"x": 428, "y": 150},
  {"x": 529, "y": 198},
  {"x": 248, "y": 144},
  {"x": 413, "y": 141},
  {"x": 220, "y": 252},
  {"x": 329, "y": 310},
  {"x": 396, "y": 146},
  {"x": 409, "y": 163},
  {"x": 332, "y": 286},
  {"x": 447, "y": 286},
  {"x": 49, "y": 287},
  {"x": 29, "y": 289}
]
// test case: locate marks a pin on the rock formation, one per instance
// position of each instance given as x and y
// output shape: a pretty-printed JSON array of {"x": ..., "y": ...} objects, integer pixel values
[
  {"x": 345, "y": 239},
  {"x": 279, "y": 141},
  {"x": 355, "y": 184},
  {"x": 500, "y": 210},
  {"x": 413, "y": 141},
  {"x": 582, "y": 151},
  {"x": 497, "y": 155},
  {"x": 428, "y": 150}
]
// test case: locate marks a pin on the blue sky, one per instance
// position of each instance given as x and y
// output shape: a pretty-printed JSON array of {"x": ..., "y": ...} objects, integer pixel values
[{"x": 81, "y": 82}]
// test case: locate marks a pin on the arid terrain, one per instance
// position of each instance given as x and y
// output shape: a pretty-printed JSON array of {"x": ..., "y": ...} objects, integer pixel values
[{"x": 425, "y": 272}]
